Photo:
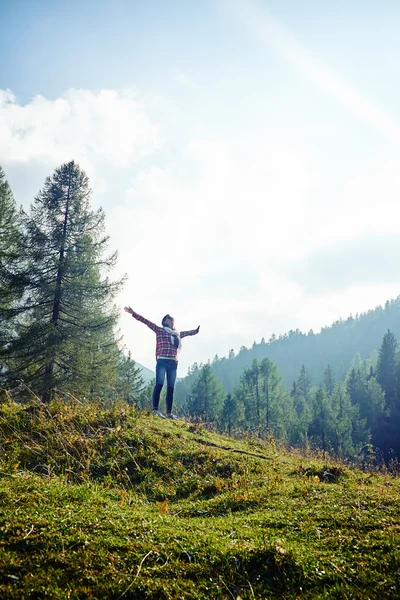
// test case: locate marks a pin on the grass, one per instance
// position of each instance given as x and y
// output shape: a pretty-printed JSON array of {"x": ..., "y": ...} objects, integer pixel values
[{"x": 118, "y": 504}]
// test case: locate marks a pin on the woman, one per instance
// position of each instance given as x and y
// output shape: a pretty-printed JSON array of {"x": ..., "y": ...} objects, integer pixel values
[{"x": 168, "y": 343}]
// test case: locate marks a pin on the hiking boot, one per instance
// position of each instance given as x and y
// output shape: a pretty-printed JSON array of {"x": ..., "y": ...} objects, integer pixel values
[
  {"x": 157, "y": 413},
  {"x": 171, "y": 416}
]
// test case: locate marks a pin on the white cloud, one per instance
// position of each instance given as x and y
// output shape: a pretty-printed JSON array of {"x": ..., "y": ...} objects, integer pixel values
[{"x": 93, "y": 127}]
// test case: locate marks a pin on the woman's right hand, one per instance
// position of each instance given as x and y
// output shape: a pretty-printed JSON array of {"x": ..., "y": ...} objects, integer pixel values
[{"x": 128, "y": 310}]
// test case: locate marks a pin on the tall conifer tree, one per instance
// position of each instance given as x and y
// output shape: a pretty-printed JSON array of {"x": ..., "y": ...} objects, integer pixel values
[
  {"x": 329, "y": 382},
  {"x": 66, "y": 340},
  {"x": 130, "y": 381},
  {"x": 207, "y": 395},
  {"x": 388, "y": 375},
  {"x": 11, "y": 257},
  {"x": 388, "y": 369},
  {"x": 231, "y": 412}
]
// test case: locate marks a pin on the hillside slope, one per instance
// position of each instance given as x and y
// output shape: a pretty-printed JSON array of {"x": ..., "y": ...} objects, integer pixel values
[
  {"x": 118, "y": 504},
  {"x": 335, "y": 346},
  {"x": 147, "y": 374}
]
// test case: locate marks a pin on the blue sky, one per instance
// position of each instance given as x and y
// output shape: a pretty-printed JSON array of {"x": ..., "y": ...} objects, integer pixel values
[{"x": 246, "y": 152}]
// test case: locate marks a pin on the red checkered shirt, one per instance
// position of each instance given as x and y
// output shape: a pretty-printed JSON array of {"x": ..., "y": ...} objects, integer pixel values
[{"x": 164, "y": 345}]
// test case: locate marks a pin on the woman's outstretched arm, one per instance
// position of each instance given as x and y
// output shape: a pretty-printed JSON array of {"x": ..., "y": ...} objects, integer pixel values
[
  {"x": 191, "y": 332},
  {"x": 138, "y": 317}
]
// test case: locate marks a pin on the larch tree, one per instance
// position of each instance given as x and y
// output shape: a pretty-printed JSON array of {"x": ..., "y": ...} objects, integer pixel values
[
  {"x": 322, "y": 426},
  {"x": 232, "y": 411},
  {"x": 388, "y": 369},
  {"x": 329, "y": 382},
  {"x": 388, "y": 376},
  {"x": 253, "y": 398},
  {"x": 207, "y": 395},
  {"x": 66, "y": 340},
  {"x": 11, "y": 257},
  {"x": 130, "y": 381}
]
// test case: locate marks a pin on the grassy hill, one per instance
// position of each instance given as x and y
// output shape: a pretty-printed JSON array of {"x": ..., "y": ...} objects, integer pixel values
[{"x": 119, "y": 504}]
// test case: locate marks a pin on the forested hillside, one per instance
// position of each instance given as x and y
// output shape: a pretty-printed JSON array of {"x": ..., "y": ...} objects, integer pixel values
[
  {"x": 335, "y": 345},
  {"x": 338, "y": 390}
]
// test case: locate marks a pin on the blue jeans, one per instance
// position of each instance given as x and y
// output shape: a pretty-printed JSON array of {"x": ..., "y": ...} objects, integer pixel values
[{"x": 169, "y": 368}]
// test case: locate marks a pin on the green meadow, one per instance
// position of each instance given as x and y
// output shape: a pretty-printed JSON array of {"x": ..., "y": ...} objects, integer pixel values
[{"x": 116, "y": 503}]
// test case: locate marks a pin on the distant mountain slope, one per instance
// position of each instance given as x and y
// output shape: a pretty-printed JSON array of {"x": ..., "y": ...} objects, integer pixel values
[
  {"x": 147, "y": 374},
  {"x": 335, "y": 345}
]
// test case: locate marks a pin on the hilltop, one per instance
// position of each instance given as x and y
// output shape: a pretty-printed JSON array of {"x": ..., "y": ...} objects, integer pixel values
[{"x": 116, "y": 503}]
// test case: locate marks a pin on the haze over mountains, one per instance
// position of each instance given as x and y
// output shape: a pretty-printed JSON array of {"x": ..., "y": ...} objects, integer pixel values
[
  {"x": 336, "y": 345},
  {"x": 147, "y": 374}
]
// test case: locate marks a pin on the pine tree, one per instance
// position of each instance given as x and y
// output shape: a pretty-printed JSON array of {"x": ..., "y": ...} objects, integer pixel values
[
  {"x": 279, "y": 412},
  {"x": 375, "y": 412},
  {"x": 11, "y": 257},
  {"x": 388, "y": 376},
  {"x": 254, "y": 402},
  {"x": 145, "y": 398},
  {"x": 329, "y": 382},
  {"x": 361, "y": 434},
  {"x": 388, "y": 369},
  {"x": 369, "y": 401},
  {"x": 342, "y": 409},
  {"x": 207, "y": 395},
  {"x": 302, "y": 402},
  {"x": 351, "y": 431},
  {"x": 357, "y": 389},
  {"x": 130, "y": 381},
  {"x": 268, "y": 407},
  {"x": 303, "y": 387},
  {"x": 66, "y": 338},
  {"x": 356, "y": 363},
  {"x": 322, "y": 426},
  {"x": 269, "y": 382},
  {"x": 294, "y": 393},
  {"x": 231, "y": 412}
]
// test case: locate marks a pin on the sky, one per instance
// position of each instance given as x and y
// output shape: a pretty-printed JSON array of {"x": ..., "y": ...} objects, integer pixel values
[{"x": 246, "y": 153}]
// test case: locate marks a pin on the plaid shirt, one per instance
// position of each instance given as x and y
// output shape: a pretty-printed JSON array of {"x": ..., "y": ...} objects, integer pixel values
[{"x": 164, "y": 345}]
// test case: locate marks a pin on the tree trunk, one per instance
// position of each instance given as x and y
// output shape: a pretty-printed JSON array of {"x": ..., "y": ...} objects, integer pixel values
[{"x": 48, "y": 374}]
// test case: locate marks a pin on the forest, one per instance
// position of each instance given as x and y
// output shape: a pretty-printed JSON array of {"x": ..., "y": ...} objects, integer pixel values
[{"x": 337, "y": 390}]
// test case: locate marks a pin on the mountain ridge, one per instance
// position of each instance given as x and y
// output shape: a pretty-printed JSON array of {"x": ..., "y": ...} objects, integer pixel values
[{"x": 335, "y": 345}]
